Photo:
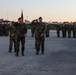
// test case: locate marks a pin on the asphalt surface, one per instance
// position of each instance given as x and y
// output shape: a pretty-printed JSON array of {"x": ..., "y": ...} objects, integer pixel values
[{"x": 59, "y": 57}]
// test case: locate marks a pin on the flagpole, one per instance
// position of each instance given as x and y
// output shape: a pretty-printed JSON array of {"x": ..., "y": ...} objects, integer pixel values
[{"x": 22, "y": 15}]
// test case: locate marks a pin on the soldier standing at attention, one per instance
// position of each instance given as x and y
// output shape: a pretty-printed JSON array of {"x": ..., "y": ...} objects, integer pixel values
[
  {"x": 1, "y": 30},
  {"x": 33, "y": 27},
  {"x": 39, "y": 35},
  {"x": 58, "y": 30},
  {"x": 35, "y": 23},
  {"x": 6, "y": 29},
  {"x": 69, "y": 28},
  {"x": 12, "y": 37},
  {"x": 47, "y": 29},
  {"x": 74, "y": 30},
  {"x": 21, "y": 34},
  {"x": 64, "y": 30}
]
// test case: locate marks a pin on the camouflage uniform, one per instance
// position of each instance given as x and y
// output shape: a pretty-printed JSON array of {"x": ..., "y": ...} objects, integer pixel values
[
  {"x": 39, "y": 34},
  {"x": 1, "y": 30},
  {"x": 58, "y": 30},
  {"x": 47, "y": 28},
  {"x": 35, "y": 23},
  {"x": 12, "y": 38},
  {"x": 21, "y": 31},
  {"x": 74, "y": 31},
  {"x": 64, "y": 31},
  {"x": 6, "y": 30},
  {"x": 33, "y": 28},
  {"x": 69, "y": 28}
]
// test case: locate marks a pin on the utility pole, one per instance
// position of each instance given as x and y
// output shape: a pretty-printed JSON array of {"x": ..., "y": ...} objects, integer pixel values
[
  {"x": 27, "y": 17},
  {"x": 7, "y": 15}
]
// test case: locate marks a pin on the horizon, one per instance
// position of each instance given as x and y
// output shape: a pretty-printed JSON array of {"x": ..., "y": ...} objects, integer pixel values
[{"x": 50, "y": 10}]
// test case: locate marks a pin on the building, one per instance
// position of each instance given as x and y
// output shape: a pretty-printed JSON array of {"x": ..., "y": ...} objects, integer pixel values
[{"x": 27, "y": 22}]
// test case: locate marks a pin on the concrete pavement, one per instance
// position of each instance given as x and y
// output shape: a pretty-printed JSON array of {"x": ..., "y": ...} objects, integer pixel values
[{"x": 59, "y": 57}]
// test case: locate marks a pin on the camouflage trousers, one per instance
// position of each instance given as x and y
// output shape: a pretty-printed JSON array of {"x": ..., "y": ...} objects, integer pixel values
[
  {"x": 58, "y": 33},
  {"x": 74, "y": 34},
  {"x": 64, "y": 34},
  {"x": 1, "y": 33},
  {"x": 47, "y": 33},
  {"x": 22, "y": 41},
  {"x": 11, "y": 42},
  {"x": 33, "y": 32},
  {"x": 69, "y": 34},
  {"x": 40, "y": 44}
]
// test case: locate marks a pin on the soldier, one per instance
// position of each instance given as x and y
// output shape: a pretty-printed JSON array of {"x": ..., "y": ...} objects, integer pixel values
[
  {"x": 33, "y": 28},
  {"x": 12, "y": 38},
  {"x": 74, "y": 30},
  {"x": 1, "y": 30},
  {"x": 6, "y": 29},
  {"x": 35, "y": 23},
  {"x": 21, "y": 34},
  {"x": 47, "y": 29},
  {"x": 64, "y": 30},
  {"x": 69, "y": 28},
  {"x": 39, "y": 33},
  {"x": 58, "y": 30}
]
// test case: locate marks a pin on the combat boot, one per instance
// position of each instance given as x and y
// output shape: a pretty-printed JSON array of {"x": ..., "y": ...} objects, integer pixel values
[
  {"x": 37, "y": 53},
  {"x": 23, "y": 54},
  {"x": 14, "y": 51},
  {"x": 42, "y": 52},
  {"x": 17, "y": 54},
  {"x": 9, "y": 51}
]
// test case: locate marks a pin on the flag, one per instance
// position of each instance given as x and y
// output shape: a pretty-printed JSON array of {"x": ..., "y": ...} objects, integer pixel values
[{"x": 22, "y": 14}]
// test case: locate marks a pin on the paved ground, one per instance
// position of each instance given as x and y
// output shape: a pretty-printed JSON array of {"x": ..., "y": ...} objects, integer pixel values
[{"x": 59, "y": 57}]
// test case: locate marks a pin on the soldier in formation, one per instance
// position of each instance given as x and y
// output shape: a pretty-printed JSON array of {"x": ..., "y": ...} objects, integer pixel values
[
  {"x": 4, "y": 29},
  {"x": 18, "y": 33},
  {"x": 1, "y": 30},
  {"x": 58, "y": 30},
  {"x": 35, "y": 24},
  {"x": 21, "y": 34},
  {"x": 63, "y": 30},
  {"x": 12, "y": 37},
  {"x": 66, "y": 29},
  {"x": 69, "y": 29},
  {"x": 47, "y": 29},
  {"x": 33, "y": 28},
  {"x": 74, "y": 30},
  {"x": 39, "y": 36}
]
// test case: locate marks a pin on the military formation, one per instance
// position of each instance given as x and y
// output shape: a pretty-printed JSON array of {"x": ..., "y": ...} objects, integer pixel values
[
  {"x": 68, "y": 30},
  {"x": 17, "y": 32},
  {"x": 4, "y": 29}
]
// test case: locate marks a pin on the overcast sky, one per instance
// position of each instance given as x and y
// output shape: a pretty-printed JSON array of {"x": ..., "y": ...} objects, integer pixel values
[{"x": 50, "y": 10}]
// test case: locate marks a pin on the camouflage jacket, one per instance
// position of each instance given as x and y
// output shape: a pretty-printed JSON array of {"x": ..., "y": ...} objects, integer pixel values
[
  {"x": 39, "y": 29},
  {"x": 12, "y": 30},
  {"x": 21, "y": 30}
]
